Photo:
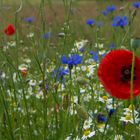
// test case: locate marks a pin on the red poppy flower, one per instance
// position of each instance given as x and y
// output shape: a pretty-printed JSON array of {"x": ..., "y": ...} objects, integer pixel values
[
  {"x": 9, "y": 30},
  {"x": 114, "y": 73}
]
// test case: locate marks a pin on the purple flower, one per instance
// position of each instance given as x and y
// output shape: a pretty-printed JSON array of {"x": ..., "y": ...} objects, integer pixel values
[
  {"x": 47, "y": 35},
  {"x": 28, "y": 19},
  {"x": 46, "y": 86}
]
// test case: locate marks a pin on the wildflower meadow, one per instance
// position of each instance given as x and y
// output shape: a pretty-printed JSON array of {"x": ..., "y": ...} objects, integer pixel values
[{"x": 69, "y": 70}]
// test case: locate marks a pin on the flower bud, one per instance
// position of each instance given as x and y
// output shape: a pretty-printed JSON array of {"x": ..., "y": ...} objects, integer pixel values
[{"x": 82, "y": 113}]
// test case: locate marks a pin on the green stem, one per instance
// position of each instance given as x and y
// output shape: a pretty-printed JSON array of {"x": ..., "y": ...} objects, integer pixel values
[
  {"x": 7, "y": 116},
  {"x": 131, "y": 87},
  {"x": 27, "y": 112},
  {"x": 45, "y": 109}
]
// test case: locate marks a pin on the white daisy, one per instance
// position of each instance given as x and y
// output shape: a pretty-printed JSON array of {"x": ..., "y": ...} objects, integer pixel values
[
  {"x": 32, "y": 82},
  {"x": 22, "y": 67},
  {"x": 101, "y": 46},
  {"x": 101, "y": 127},
  {"x": 105, "y": 99},
  {"x": 30, "y": 35},
  {"x": 118, "y": 137},
  {"x": 80, "y": 44},
  {"x": 88, "y": 134},
  {"x": 87, "y": 124},
  {"x": 129, "y": 118}
]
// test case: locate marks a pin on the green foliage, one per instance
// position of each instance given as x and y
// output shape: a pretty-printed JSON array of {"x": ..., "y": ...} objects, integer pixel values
[{"x": 38, "y": 102}]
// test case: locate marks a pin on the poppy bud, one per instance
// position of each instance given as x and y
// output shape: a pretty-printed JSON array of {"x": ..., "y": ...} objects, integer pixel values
[{"x": 23, "y": 72}]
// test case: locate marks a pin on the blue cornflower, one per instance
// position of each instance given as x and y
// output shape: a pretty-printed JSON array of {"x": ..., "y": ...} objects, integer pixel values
[
  {"x": 74, "y": 59},
  {"x": 105, "y": 13},
  {"x": 99, "y": 24},
  {"x": 103, "y": 55},
  {"x": 82, "y": 49},
  {"x": 63, "y": 71},
  {"x": 28, "y": 19},
  {"x": 120, "y": 21},
  {"x": 90, "y": 22},
  {"x": 94, "y": 54},
  {"x": 112, "y": 46},
  {"x": 110, "y": 8},
  {"x": 136, "y": 4},
  {"x": 101, "y": 118},
  {"x": 47, "y": 35},
  {"x": 46, "y": 86},
  {"x": 110, "y": 111},
  {"x": 60, "y": 73}
]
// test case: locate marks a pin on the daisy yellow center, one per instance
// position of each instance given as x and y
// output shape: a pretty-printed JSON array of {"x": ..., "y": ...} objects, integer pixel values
[
  {"x": 127, "y": 117},
  {"x": 131, "y": 106},
  {"x": 88, "y": 69},
  {"x": 118, "y": 138},
  {"x": 86, "y": 132},
  {"x": 104, "y": 98},
  {"x": 94, "y": 63},
  {"x": 14, "y": 104},
  {"x": 63, "y": 94},
  {"x": 50, "y": 69},
  {"x": 100, "y": 125}
]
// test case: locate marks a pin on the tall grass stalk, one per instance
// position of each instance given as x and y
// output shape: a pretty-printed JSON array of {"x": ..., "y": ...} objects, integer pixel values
[
  {"x": 6, "y": 116},
  {"x": 131, "y": 89}
]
